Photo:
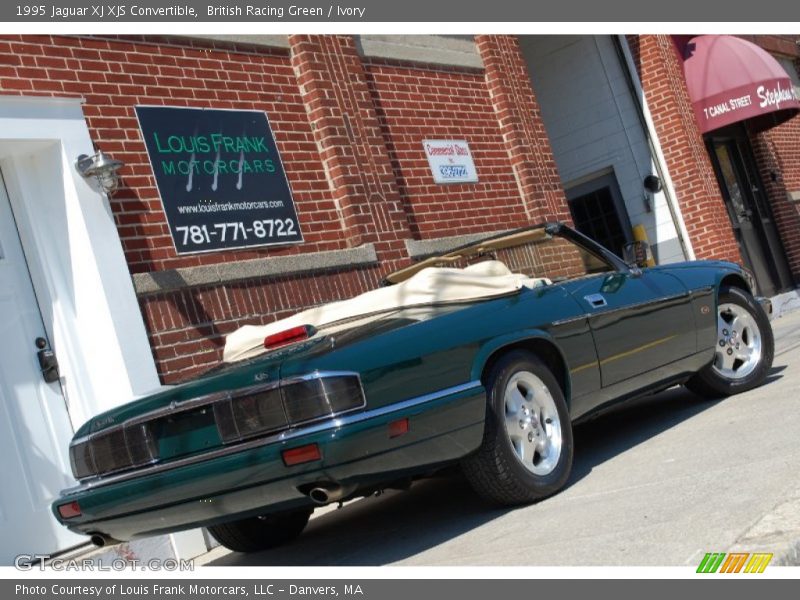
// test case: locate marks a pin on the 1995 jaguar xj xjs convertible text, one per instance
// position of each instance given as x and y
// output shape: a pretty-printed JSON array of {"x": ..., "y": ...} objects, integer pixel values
[{"x": 483, "y": 356}]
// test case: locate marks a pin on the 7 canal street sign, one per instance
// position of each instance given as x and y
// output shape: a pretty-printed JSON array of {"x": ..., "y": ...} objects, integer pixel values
[{"x": 220, "y": 178}]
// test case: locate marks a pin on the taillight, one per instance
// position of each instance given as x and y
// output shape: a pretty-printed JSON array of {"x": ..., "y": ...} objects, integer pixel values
[
  {"x": 115, "y": 450},
  {"x": 250, "y": 415},
  {"x": 70, "y": 510},
  {"x": 242, "y": 414},
  {"x": 292, "y": 403},
  {"x": 320, "y": 397},
  {"x": 290, "y": 336}
]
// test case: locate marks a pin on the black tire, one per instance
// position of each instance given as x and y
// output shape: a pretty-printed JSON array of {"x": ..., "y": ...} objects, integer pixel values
[
  {"x": 495, "y": 471},
  {"x": 260, "y": 533},
  {"x": 710, "y": 382}
]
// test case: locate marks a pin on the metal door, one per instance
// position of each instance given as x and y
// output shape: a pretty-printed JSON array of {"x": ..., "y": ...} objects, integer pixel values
[
  {"x": 748, "y": 209},
  {"x": 35, "y": 429}
]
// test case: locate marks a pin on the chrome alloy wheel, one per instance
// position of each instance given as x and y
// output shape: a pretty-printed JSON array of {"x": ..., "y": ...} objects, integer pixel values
[
  {"x": 532, "y": 423},
  {"x": 738, "y": 349}
]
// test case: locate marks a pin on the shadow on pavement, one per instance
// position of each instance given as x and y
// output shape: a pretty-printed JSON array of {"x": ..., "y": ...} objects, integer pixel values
[{"x": 398, "y": 525}]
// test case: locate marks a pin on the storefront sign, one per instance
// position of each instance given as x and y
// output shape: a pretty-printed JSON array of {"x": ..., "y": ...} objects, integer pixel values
[
  {"x": 745, "y": 103},
  {"x": 450, "y": 161},
  {"x": 730, "y": 80},
  {"x": 220, "y": 177}
]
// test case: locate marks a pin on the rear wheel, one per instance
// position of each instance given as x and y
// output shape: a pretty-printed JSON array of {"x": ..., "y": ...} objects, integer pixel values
[
  {"x": 260, "y": 533},
  {"x": 744, "y": 348},
  {"x": 526, "y": 454}
]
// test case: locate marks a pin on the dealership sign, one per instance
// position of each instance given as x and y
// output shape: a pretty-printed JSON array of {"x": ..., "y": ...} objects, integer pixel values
[
  {"x": 450, "y": 161},
  {"x": 220, "y": 178}
]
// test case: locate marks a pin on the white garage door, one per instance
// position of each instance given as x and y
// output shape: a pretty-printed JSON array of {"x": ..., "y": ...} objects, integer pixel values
[
  {"x": 35, "y": 428},
  {"x": 595, "y": 129}
]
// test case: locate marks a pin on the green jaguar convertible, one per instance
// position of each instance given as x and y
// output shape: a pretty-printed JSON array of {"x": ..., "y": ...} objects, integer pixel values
[{"x": 483, "y": 357}]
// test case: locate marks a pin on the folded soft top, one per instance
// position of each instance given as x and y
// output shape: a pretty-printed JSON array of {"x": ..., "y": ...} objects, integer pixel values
[{"x": 433, "y": 285}]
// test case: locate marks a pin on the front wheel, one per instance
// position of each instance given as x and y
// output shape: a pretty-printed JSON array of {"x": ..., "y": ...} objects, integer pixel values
[
  {"x": 526, "y": 454},
  {"x": 744, "y": 348}
]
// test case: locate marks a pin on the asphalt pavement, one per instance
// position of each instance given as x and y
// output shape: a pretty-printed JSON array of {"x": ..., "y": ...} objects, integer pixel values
[{"x": 659, "y": 482}]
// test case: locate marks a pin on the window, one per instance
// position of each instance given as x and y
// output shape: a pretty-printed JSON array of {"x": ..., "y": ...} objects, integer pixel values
[
  {"x": 598, "y": 212},
  {"x": 790, "y": 68}
]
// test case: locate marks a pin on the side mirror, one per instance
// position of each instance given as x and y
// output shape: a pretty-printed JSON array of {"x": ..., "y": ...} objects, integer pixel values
[{"x": 636, "y": 254}]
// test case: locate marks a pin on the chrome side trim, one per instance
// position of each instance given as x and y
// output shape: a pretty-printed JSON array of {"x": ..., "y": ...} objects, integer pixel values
[
  {"x": 588, "y": 315},
  {"x": 581, "y": 317},
  {"x": 334, "y": 423}
]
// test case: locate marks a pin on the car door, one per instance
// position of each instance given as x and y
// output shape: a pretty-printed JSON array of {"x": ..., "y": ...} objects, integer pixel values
[{"x": 640, "y": 321}]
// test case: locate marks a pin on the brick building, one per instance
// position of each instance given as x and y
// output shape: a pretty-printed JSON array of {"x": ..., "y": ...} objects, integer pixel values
[{"x": 600, "y": 131}]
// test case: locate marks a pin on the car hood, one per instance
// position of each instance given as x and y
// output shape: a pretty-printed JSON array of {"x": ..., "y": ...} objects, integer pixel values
[{"x": 267, "y": 367}]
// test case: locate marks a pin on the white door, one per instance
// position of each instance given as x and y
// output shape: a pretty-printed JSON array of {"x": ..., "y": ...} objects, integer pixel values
[{"x": 35, "y": 429}]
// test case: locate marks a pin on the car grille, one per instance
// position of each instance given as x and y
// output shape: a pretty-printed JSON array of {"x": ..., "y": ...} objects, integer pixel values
[{"x": 223, "y": 418}]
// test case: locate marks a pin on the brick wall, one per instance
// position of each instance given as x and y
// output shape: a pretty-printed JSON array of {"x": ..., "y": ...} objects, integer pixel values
[
  {"x": 114, "y": 75},
  {"x": 416, "y": 103},
  {"x": 350, "y": 136},
  {"x": 777, "y": 153},
  {"x": 698, "y": 194},
  {"x": 521, "y": 124}
]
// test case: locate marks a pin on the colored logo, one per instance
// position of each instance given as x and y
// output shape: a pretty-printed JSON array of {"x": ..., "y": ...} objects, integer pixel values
[{"x": 734, "y": 562}]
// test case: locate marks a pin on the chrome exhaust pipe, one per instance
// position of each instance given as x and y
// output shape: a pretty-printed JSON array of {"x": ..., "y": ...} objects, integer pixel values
[
  {"x": 329, "y": 492},
  {"x": 101, "y": 540}
]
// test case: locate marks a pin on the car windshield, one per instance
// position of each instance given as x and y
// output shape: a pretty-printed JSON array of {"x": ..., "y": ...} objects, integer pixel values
[{"x": 532, "y": 251}]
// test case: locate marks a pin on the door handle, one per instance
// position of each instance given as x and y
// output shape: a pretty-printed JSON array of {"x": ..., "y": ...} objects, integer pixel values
[
  {"x": 47, "y": 361},
  {"x": 596, "y": 300}
]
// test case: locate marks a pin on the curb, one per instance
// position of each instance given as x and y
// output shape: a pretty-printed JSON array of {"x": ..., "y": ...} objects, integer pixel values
[
  {"x": 777, "y": 532},
  {"x": 783, "y": 304},
  {"x": 790, "y": 558}
]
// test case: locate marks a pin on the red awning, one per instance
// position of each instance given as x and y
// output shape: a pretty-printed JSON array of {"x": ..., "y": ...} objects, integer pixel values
[{"x": 731, "y": 79}]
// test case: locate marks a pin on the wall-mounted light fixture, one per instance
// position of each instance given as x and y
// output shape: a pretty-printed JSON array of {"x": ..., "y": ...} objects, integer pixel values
[
  {"x": 101, "y": 166},
  {"x": 652, "y": 185}
]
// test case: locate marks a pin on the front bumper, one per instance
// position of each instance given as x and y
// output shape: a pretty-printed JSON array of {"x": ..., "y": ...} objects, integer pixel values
[{"x": 355, "y": 452}]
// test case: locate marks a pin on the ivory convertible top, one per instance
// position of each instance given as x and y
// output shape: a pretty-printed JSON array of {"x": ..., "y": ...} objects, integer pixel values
[{"x": 430, "y": 286}]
